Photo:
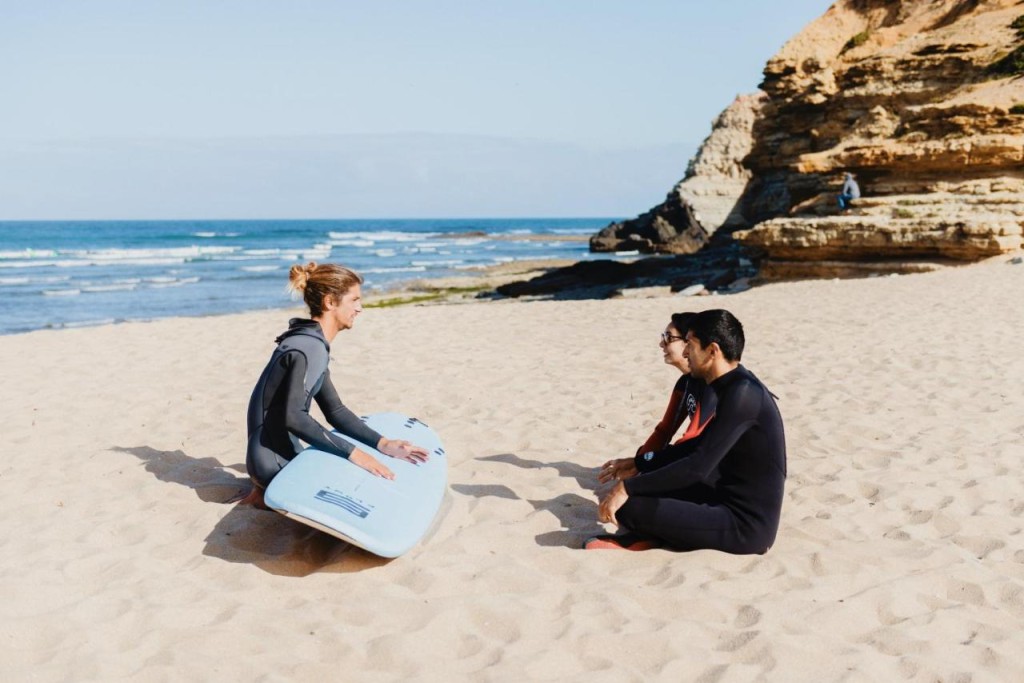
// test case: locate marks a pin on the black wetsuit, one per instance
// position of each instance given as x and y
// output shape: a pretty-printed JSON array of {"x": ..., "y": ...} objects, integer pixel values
[
  {"x": 724, "y": 490},
  {"x": 279, "y": 407}
]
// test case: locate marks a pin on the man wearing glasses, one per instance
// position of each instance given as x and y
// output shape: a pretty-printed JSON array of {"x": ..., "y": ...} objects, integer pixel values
[{"x": 722, "y": 490}]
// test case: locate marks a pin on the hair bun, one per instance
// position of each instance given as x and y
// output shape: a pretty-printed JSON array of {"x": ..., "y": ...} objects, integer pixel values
[{"x": 299, "y": 275}]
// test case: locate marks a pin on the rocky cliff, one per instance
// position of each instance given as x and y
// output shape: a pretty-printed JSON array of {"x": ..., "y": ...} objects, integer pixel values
[
  {"x": 705, "y": 199},
  {"x": 923, "y": 100}
]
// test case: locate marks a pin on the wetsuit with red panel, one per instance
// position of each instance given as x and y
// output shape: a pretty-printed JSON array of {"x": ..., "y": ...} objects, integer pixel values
[{"x": 684, "y": 402}]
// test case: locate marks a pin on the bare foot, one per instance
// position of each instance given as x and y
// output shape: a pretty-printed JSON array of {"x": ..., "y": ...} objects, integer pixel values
[{"x": 255, "y": 499}]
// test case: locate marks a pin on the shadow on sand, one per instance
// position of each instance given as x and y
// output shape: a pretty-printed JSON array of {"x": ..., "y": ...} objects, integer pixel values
[
  {"x": 576, "y": 514},
  {"x": 246, "y": 534}
]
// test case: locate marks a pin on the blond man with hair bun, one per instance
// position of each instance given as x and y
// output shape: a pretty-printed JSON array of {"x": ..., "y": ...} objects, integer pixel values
[{"x": 297, "y": 374}]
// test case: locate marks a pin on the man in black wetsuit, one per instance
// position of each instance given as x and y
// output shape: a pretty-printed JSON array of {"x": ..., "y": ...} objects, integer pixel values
[{"x": 726, "y": 492}]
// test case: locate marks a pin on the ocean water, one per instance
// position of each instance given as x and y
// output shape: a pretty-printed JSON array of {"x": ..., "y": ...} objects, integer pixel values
[{"x": 74, "y": 273}]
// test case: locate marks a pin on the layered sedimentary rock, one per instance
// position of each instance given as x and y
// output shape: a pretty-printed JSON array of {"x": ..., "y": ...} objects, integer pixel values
[
  {"x": 919, "y": 100},
  {"x": 706, "y": 199},
  {"x": 937, "y": 225},
  {"x": 923, "y": 100}
]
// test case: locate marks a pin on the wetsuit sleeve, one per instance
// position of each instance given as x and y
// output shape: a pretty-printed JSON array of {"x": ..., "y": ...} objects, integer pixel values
[
  {"x": 340, "y": 417},
  {"x": 664, "y": 430},
  {"x": 666, "y": 456},
  {"x": 297, "y": 419},
  {"x": 647, "y": 456},
  {"x": 738, "y": 411}
]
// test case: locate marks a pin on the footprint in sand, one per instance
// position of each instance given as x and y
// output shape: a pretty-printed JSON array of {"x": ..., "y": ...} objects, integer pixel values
[{"x": 747, "y": 616}]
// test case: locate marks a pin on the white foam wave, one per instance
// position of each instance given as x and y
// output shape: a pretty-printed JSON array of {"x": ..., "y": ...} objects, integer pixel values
[
  {"x": 353, "y": 243},
  {"x": 26, "y": 264},
  {"x": 249, "y": 257},
  {"x": 126, "y": 262},
  {"x": 61, "y": 292},
  {"x": 109, "y": 288},
  {"x": 25, "y": 280},
  {"x": 189, "y": 252},
  {"x": 293, "y": 256},
  {"x": 440, "y": 263},
  {"x": 207, "y": 234},
  {"x": 78, "y": 258},
  {"x": 161, "y": 283},
  {"x": 28, "y": 253},
  {"x": 410, "y": 269},
  {"x": 259, "y": 269},
  {"x": 383, "y": 236},
  {"x": 86, "y": 262}
]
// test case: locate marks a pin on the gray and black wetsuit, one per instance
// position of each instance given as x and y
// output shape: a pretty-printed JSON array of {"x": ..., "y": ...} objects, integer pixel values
[{"x": 279, "y": 407}]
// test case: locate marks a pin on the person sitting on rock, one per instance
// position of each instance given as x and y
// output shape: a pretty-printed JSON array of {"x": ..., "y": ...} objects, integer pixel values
[{"x": 850, "y": 192}]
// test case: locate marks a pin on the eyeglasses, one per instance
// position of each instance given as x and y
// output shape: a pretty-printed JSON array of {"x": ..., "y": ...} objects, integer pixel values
[{"x": 667, "y": 338}]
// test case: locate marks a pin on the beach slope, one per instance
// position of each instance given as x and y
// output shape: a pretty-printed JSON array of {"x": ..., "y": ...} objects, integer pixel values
[{"x": 900, "y": 555}]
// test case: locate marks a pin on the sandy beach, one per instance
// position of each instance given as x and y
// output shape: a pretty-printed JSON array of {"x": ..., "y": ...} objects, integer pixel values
[{"x": 900, "y": 555}]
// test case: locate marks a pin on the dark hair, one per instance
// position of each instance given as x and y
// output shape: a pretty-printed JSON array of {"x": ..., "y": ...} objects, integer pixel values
[
  {"x": 681, "y": 321},
  {"x": 315, "y": 282},
  {"x": 721, "y": 327}
]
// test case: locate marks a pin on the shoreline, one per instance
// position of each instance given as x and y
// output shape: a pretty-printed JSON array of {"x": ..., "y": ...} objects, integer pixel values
[
  {"x": 465, "y": 287},
  {"x": 468, "y": 288}
]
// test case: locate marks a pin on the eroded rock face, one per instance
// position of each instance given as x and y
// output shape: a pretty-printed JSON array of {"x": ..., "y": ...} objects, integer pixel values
[
  {"x": 901, "y": 94},
  {"x": 955, "y": 225},
  {"x": 717, "y": 177},
  {"x": 706, "y": 199}
]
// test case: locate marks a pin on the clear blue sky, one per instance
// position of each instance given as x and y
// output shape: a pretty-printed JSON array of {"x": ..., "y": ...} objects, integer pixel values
[{"x": 338, "y": 108}]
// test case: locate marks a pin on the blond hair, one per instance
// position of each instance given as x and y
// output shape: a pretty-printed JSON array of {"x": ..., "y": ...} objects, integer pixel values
[{"x": 314, "y": 282}]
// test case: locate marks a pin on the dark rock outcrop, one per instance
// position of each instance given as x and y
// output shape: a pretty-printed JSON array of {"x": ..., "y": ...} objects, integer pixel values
[
  {"x": 716, "y": 267},
  {"x": 669, "y": 228}
]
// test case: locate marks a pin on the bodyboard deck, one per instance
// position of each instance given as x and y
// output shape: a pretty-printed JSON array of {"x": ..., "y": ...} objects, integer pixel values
[{"x": 387, "y": 518}]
